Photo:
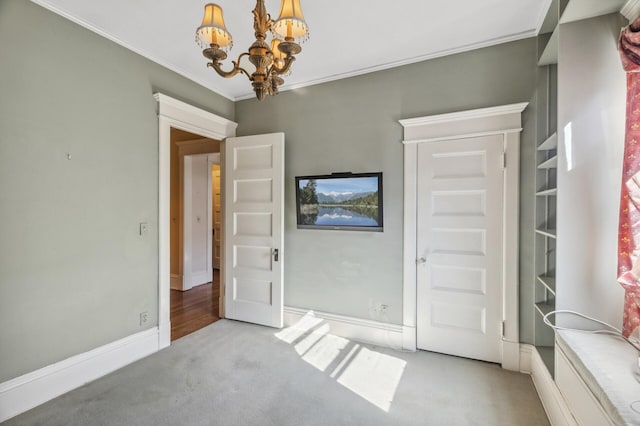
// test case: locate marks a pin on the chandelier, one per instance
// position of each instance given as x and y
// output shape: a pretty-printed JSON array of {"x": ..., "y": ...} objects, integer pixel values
[{"x": 271, "y": 60}]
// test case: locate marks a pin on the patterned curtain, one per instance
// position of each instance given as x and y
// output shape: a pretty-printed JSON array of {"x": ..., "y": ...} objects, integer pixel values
[{"x": 629, "y": 223}]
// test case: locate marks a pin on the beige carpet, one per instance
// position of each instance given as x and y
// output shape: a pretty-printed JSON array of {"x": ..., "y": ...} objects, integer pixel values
[{"x": 232, "y": 373}]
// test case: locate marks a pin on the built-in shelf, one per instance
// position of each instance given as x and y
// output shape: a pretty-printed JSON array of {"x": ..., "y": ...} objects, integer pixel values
[
  {"x": 551, "y": 163},
  {"x": 548, "y": 282},
  {"x": 547, "y": 354},
  {"x": 544, "y": 307},
  {"x": 547, "y": 232},
  {"x": 548, "y": 191},
  {"x": 550, "y": 143},
  {"x": 549, "y": 55}
]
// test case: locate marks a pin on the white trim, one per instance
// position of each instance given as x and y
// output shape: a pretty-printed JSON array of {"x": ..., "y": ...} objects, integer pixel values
[
  {"x": 465, "y": 115},
  {"x": 409, "y": 337},
  {"x": 179, "y": 115},
  {"x": 510, "y": 244},
  {"x": 176, "y": 282},
  {"x": 200, "y": 278},
  {"x": 207, "y": 83},
  {"x": 631, "y": 10},
  {"x": 37, "y": 387},
  {"x": 465, "y": 136},
  {"x": 94, "y": 28},
  {"x": 511, "y": 355},
  {"x": 552, "y": 400},
  {"x": 382, "y": 67},
  {"x": 199, "y": 121},
  {"x": 361, "y": 330},
  {"x": 525, "y": 358},
  {"x": 459, "y": 125}
]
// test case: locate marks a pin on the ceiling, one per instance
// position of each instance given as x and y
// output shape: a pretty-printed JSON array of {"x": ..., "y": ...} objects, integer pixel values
[{"x": 348, "y": 37}]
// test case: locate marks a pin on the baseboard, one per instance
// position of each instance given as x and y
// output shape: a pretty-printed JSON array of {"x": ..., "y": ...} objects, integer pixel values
[
  {"x": 409, "y": 338},
  {"x": 37, "y": 387},
  {"x": 357, "y": 329},
  {"x": 510, "y": 355},
  {"x": 552, "y": 400},
  {"x": 199, "y": 278},
  {"x": 176, "y": 282},
  {"x": 525, "y": 358}
]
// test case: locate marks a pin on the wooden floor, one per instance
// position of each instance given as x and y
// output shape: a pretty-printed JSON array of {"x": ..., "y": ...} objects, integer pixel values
[{"x": 196, "y": 308}]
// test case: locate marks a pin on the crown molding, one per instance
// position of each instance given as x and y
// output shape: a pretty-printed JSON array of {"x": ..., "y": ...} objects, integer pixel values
[
  {"x": 631, "y": 10},
  {"x": 464, "y": 115},
  {"x": 439, "y": 54},
  {"x": 91, "y": 27},
  {"x": 249, "y": 95}
]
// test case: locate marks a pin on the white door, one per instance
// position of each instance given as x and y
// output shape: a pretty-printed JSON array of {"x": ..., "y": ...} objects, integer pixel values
[
  {"x": 254, "y": 227},
  {"x": 460, "y": 249},
  {"x": 197, "y": 265}
]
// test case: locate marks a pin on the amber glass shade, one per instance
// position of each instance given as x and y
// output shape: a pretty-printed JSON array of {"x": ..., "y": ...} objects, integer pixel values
[
  {"x": 291, "y": 23},
  {"x": 213, "y": 30}
]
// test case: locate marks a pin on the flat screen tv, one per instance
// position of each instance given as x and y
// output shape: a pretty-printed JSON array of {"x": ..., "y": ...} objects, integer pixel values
[{"x": 340, "y": 201}]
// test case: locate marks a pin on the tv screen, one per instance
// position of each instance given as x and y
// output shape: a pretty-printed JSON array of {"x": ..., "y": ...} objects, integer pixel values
[{"x": 340, "y": 201}]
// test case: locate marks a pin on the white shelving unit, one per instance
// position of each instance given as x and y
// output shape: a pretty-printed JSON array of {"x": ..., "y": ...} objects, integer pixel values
[
  {"x": 546, "y": 187},
  {"x": 545, "y": 282}
]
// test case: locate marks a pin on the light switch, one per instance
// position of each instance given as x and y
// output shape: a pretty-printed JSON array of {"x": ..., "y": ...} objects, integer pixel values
[{"x": 144, "y": 227}]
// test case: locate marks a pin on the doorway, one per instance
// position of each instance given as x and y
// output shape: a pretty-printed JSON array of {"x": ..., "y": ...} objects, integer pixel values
[
  {"x": 504, "y": 124},
  {"x": 256, "y": 223},
  {"x": 195, "y": 209}
]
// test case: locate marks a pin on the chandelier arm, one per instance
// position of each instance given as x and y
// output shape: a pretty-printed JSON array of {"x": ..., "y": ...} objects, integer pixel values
[
  {"x": 235, "y": 70},
  {"x": 288, "y": 61}
]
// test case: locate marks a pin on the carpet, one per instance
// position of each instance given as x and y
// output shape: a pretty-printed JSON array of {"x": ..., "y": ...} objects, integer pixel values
[{"x": 233, "y": 373}]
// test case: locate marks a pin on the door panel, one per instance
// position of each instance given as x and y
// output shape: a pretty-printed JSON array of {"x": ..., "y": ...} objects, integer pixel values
[
  {"x": 254, "y": 226},
  {"x": 460, "y": 211}
]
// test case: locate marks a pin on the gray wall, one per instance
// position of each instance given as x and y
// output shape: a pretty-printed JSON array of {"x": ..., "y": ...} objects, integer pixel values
[
  {"x": 352, "y": 125},
  {"x": 74, "y": 273}
]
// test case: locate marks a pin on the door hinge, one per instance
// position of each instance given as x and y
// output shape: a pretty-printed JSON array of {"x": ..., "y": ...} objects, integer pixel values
[
  {"x": 504, "y": 160},
  {"x": 502, "y": 327}
]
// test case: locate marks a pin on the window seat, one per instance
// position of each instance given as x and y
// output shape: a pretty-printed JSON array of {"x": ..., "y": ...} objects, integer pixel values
[{"x": 609, "y": 373}]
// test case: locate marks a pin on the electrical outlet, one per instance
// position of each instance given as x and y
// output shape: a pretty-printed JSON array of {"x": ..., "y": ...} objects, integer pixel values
[
  {"x": 144, "y": 317},
  {"x": 383, "y": 308}
]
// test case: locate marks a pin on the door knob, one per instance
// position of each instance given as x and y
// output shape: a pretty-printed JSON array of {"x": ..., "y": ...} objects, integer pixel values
[{"x": 421, "y": 261}]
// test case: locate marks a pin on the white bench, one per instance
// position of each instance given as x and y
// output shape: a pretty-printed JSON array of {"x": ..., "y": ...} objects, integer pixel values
[{"x": 599, "y": 377}]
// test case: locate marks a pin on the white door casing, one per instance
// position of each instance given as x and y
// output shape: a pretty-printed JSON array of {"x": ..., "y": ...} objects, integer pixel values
[
  {"x": 254, "y": 228},
  {"x": 459, "y": 247},
  {"x": 505, "y": 121},
  {"x": 173, "y": 113}
]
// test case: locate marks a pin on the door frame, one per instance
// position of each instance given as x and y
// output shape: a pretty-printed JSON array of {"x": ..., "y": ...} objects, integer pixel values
[
  {"x": 502, "y": 120},
  {"x": 179, "y": 115}
]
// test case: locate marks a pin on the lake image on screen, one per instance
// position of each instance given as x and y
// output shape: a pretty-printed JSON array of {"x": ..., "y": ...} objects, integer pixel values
[{"x": 339, "y": 202}]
